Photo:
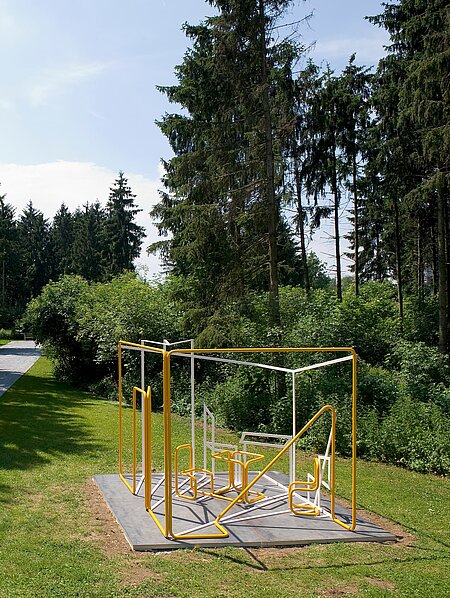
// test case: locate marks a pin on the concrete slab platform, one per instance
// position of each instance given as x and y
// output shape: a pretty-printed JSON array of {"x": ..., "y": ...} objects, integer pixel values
[{"x": 273, "y": 525}]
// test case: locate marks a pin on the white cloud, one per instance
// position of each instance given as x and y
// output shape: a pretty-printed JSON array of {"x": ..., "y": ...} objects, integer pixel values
[
  {"x": 75, "y": 183},
  {"x": 53, "y": 82}
]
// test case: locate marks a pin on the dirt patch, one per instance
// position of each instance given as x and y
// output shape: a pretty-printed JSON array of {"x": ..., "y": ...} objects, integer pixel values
[
  {"x": 380, "y": 583},
  {"x": 348, "y": 590},
  {"x": 105, "y": 530},
  {"x": 106, "y": 533},
  {"x": 401, "y": 535}
]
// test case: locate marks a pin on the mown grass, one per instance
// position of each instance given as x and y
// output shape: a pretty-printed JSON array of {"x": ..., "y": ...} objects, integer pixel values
[
  {"x": 53, "y": 438},
  {"x": 4, "y": 341}
]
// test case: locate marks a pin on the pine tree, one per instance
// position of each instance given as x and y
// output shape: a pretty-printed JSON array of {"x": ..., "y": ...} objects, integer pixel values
[
  {"x": 419, "y": 31},
  {"x": 354, "y": 84},
  {"x": 34, "y": 251},
  {"x": 8, "y": 261},
  {"x": 61, "y": 237},
  {"x": 122, "y": 237},
  {"x": 86, "y": 251},
  {"x": 225, "y": 181}
]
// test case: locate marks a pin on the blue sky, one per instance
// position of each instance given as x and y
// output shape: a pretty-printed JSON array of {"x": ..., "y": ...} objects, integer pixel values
[{"x": 78, "y": 100}]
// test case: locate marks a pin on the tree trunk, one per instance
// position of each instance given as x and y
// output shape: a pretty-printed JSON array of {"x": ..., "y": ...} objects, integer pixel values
[
  {"x": 272, "y": 207},
  {"x": 442, "y": 265},
  {"x": 378, "y": 268},
  {"x": 301, "y": 226},
  {"x": 398, "y": 262},
  {"x": 335, "y": 191},
  {"x": 356, "y": 223},
  {"x": 420, "y": 270},
  {"x": 435, "y": 262}
]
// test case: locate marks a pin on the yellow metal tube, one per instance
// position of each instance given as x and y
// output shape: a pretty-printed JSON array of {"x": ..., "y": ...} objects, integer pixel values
[
  {"x": 282, "y": 451},
  {"x": 268, "y": 350},
  {"x": 132, "y": 488},
  {"x": 148, "y": 458},
  {"x": 352, "y": 526},
  {"x": 167, "y": 444},
  {"x": 119, "y": 369}
]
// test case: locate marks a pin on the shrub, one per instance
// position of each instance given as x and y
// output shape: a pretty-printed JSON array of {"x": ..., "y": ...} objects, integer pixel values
[
  {"x": 416, "y": 435},
  {"x": 422, "y": 370},
  {"x": 52, "y": 318},
  {"x": 377, "y": 387},
  {"x": 79, "y": 325}
]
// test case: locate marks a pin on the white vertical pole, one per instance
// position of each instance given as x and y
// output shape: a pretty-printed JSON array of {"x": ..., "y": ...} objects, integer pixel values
[
  {"x": 213, "y": 441},
  {"x": 193, "y": 403},
  {"x": 205, "y": 438},
  {"x": 294, "y": 427}
]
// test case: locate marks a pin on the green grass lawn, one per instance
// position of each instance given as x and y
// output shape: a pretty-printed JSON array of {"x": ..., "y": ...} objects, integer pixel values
[
  {"x": 53, "y": 438},
  {"x": 3, "y": 341}
]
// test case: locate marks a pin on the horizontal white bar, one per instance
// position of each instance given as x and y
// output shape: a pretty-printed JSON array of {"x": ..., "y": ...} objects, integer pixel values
[
  {"x": 166, "y": 344},
  {"x": 322, "y": 364},
  {"x": 236, "y": 361},
  {"x": 265, "y": 366},
  {"x": 266, "y": 444}
]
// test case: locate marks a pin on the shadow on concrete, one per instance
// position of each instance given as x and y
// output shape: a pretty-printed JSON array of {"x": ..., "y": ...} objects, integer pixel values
[{"x": 6, "y": 350}]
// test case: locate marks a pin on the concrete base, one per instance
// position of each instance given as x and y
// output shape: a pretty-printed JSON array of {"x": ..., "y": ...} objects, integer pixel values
[{"x": 270, "y": 526}]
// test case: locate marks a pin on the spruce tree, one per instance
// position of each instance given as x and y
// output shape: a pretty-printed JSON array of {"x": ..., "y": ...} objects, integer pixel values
[
  {"x": 86, "y": 251},
  {"x": 61, "y": 236},
  {"x": 419, "y": 31},
  {"x": 221, "y": 203},
  {"x": 121, "y": 236},
  {"x": 8, "y": 262},
  {"x": 34, "y": 251}
]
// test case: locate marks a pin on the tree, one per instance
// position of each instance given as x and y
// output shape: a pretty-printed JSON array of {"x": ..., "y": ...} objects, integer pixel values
[
  {"x": 86, "y": 251},
  {"x": 34, "y": 251},
  {"x": 355, "y": 89},
  {"x": 419, "y": 32},
  {"x": 62, "y": 237},
  {"x": 122, "y": 237},
  {"x": 8, "y": 260},
  {"x": 226, "y": 179}
]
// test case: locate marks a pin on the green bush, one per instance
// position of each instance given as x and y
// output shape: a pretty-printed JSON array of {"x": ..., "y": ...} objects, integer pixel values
[
  {"x": 416, "y": 435},
  {"x": 378, "y": 387},
  {"x": 79, "y": 325},
  {"x": 423, "y": 372},
  {"x": 52, "y": 318},
  {"x": 6, "y": 334},
  {"x": 421, "y": 319}
]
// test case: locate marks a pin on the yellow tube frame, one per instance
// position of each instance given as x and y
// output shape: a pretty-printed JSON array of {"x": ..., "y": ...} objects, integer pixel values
[
  {"x": 233, "y": 458},
  {"x": 167, "y": 530},
  {"x": 132, "y": 488},
  {"x": 298, "y": 486},
  {"x": 190, "y": 474}
]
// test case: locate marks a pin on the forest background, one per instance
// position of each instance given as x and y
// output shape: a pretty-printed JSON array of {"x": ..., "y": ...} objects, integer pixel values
[{"x": 264, "y": 152}]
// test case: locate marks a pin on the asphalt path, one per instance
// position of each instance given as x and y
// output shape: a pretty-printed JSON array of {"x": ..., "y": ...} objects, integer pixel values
[{"x": 16, "y": 358}]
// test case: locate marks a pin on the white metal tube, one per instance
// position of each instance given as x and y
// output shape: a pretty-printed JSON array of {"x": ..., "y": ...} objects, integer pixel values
[
  {"x": 236, "y": 361},
  {"x": 193, "y": 404},
  {"x": 294, "y": 431},
  {"x": 205, "y": 424},
  {"x": 322, "y": 364}
]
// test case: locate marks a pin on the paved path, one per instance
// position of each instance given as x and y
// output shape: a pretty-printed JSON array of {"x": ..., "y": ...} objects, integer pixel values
[{"x": 16, "y": 358}]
